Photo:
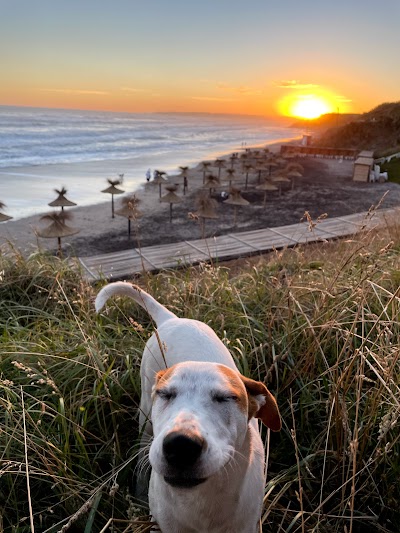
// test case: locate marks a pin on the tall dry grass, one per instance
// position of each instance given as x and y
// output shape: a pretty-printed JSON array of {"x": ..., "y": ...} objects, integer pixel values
[{"x": 320, "y": 324}]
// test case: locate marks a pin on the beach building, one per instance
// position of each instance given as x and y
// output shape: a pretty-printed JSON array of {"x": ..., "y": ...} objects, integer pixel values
[
  {"x": 363, "y": 166},
  {"x": 318, "y": 151}
]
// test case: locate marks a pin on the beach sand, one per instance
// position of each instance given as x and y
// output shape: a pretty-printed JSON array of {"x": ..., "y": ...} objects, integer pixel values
[{"x": 325, "y": 187}]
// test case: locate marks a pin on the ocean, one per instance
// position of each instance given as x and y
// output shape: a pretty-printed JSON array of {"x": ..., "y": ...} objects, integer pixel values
[{"x": 44, "y": 149}]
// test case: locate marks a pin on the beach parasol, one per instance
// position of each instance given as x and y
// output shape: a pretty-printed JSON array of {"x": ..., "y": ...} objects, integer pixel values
[
  {"x": 266, "y": 186},
  {"x": 204, "y": 168},
  {"x": 219, "y": 163},
  {"x": 160, "y": 179},
  {"x": 270, "y": 164},
  {"x": 113, "y": 189},
  {"x": 211, "y": 182},
  {"x": 292, "y": 174},
  {"x": 295, "y": 166},
  {"x": 129, "y": 209},
  {"x": 260, "y": 167},
  {"x": 247, "y": 169},
  {"x": 244, "y": 157},
  {"x": 232, "y": 174},
  {"x": 292, "y": 171},
  {"x": 206, "y": 208},
  {"x": 280, "y": 180},
  {"x": 57, "y": 227},
  {"x": 3, "y": 216},
  {"x": 232, "y": 159},
  {"x": 171, "y": 198},
  {"x": 236, "y": 199},
  {"x": 61, "y": 200}
]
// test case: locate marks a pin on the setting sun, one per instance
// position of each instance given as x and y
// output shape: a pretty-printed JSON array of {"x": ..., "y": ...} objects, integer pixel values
[{"x": 309, "y": 106}]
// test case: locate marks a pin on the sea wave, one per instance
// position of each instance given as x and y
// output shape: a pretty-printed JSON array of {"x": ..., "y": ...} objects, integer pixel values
[{"x": 37, "y": 137}]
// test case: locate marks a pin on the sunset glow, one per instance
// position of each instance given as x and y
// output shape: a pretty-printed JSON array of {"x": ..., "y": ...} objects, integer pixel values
[{"x": 175, "y": 61}]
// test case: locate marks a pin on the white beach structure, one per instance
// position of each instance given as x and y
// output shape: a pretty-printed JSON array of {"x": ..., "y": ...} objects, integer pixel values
[{"x": 363, "y": 166}]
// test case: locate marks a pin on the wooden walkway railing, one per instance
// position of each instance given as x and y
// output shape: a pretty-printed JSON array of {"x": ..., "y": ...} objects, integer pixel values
[{"x": 125, "y": 264}]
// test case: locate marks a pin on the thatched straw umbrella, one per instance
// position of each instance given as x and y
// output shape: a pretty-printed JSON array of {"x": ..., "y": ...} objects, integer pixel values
[
  {"x": 247, "y": 169},
  {"x": 61, "y": 200},
  {"x": 293, "y": 171},
  {"x": 293, "y": 174},
  {"x": 171, "y": 198},
  {"x": 113, "y": 189},
  {"x": 129, "y": 209},
  {"x": 270, "y": 164},
  {"x": 260, "y": 167},
  {"x": 244, "y": 157},
  {"x": 3, "y": 216},
  {"x": 57, "y": 228},
  {"x": 236, "y": 199},
  {"x": 280, "y": 180},
  {"x": 206, "y": 208},
  {"x": 211, "y": 182},
  {"x": 219, "y": 163},
  {"x": 266, "y": 187},
  {"x": 160, "y": 179},
  {"x": 232, "y": 159},
  {"x": 295, "y": 166},
  {"x": 232, "y": 174},
  {"x": 204, "y": 168}
]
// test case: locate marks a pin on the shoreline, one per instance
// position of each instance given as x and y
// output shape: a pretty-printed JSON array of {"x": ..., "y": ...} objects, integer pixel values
[
  {"x": 94, "y": 219},
  {"x": 320, "y": 190},
  {"x": 131, "y": 185},
  {"x": 85, "y": 180}
]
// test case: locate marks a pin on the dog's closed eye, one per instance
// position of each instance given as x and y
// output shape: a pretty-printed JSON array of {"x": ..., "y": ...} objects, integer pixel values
[
  {"x": 166, "y": 394},
  {"x": 221, "y": 397}
]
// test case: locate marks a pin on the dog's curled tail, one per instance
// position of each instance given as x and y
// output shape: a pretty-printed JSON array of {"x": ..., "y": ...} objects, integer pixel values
[{"x": 157, "y": 311}]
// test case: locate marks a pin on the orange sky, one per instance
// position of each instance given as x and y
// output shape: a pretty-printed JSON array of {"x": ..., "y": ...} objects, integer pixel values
[{"x": 225, "y": 56}]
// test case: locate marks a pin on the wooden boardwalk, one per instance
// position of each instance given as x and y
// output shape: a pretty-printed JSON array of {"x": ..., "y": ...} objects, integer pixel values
[{"x": 126, "y": 264}]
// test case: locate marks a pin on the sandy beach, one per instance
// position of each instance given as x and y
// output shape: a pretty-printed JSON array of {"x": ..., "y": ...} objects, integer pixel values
[{"x": 325, "y": 187}]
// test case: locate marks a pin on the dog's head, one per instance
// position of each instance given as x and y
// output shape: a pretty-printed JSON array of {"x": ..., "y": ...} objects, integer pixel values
[{"x": 200, "y": 418}]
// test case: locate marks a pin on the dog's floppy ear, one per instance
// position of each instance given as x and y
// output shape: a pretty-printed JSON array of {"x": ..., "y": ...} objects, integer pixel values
[{"x": 262, "y": 404}]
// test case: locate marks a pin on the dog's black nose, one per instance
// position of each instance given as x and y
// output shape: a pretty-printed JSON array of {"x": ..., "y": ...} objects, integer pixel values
[{"x": 182, "y": 451}]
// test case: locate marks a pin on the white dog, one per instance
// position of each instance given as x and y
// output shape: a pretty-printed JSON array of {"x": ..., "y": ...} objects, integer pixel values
[{"x": 207, "y": 456}]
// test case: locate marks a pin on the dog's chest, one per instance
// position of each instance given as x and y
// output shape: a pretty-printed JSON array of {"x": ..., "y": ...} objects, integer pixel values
[{"x": 203, "y": 514}]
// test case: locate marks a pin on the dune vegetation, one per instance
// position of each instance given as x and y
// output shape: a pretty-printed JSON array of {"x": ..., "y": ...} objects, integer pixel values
[
  {"x": 377, "y": 130},
  {"x": 319, "y": 324}
]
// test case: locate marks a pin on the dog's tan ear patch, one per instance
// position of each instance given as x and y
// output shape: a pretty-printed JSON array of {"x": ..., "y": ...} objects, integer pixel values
[
  {"x": 262, "y": 404},
  {"x": 160, "y": 375},
  {"x": 233, "y": 381},
  {"x": 163, "y": 375},
  {"x": 161, "y": 378}
]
